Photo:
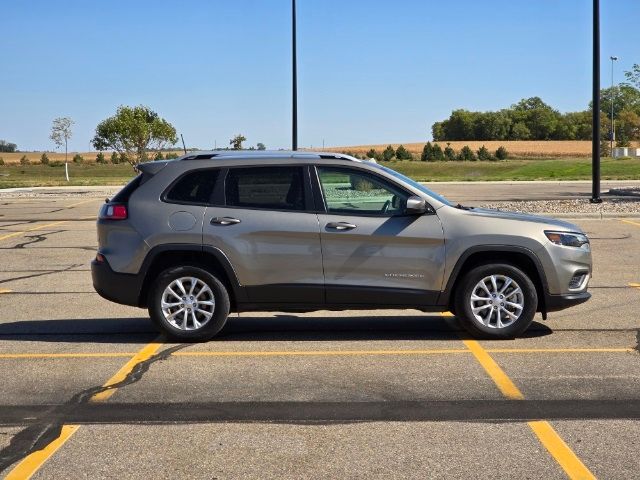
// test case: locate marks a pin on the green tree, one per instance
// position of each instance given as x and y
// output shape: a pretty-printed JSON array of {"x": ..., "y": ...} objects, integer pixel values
[
  {"x": 520, "y": 131},
  {"x": 61, "y": 133},
  {"x": 403, "y": 154},
  {"x": 633, "y": 76},
  {"x": 260, "y": 146},
  {"x": 236, "y": 142},
  {"x": 388, "y": 153},
  {"x": 438, "y": 154},
  {"x": 1, "y": 161},
  {"x": 132, "y": 131},
  {"x": 44, "y": 159},
  {"x": 449, "y": 153},
  {"x": 371, "y": 153},
  {"x": 158, "y": 156},
  {"x": 100, "y": 158},
  {"x": 501, "y": 153},
  {"x": 627, "y": 128},
  {"x": 7, "y": 147},
  {"x": 466, "y": 154},
  {"x": 24, "y": 160},
  {"x": 427, "y": 153},
  {"x": 77, "y": 158},
  {"x": 115, "y": 158},
  {"x": 492, "y": 126},
  {"x": 484, "y": 154}
]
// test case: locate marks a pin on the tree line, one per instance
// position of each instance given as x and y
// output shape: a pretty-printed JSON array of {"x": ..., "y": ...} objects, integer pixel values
[
  {"x": 433, "y": 153},
  {"x": 533, "y": 119}
]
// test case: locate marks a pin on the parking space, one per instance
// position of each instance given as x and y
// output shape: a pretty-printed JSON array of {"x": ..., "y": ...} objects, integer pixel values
[{"x": 362, "y": 394}]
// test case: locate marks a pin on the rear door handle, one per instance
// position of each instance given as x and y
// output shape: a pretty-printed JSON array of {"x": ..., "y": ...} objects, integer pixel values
[
  {"x": 224, "y": 221},
  {"x": 341, "y": 225}
]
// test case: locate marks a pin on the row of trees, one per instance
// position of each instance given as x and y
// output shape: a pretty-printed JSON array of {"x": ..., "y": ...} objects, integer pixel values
[
  {"x": 533, "y": 119},
  {"x": 7, "y": 147},
  {"x": 433, "y": 153}
]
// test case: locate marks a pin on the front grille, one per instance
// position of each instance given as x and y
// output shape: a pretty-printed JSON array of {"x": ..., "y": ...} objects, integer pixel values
[{"x": 577, "y": 280}]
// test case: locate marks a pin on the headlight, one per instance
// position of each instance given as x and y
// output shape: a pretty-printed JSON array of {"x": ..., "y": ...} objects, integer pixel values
[{"x": 567, "y": 239}]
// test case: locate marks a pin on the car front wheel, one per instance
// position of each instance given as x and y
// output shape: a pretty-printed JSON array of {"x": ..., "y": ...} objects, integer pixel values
[
  {"x": 496, "y": 301},
  {"x": 189, "y": 303}
]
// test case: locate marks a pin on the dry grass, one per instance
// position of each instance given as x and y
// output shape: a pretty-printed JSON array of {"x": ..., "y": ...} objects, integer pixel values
[
  {"x": 556, "y": 148},
  {"x": 34, "y": 157}
]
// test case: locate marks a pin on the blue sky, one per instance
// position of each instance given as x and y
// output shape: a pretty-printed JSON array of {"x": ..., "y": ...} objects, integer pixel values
[{"x": 369, "y": 71}]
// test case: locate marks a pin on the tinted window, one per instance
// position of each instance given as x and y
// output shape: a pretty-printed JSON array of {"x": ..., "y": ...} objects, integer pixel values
[
  {"x": 273, "y": 188},
  {"x": 194, "y": 187},
  {"x": 353, "y": 192}
]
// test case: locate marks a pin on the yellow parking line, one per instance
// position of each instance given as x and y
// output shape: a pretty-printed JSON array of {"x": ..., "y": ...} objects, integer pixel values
[
  {"x": 631, "y": 222},
  {"x": 5, "y": 290},
  {"x": 82, "y": 202},
  {"x": 634, "y": 285},
  {"x": 558, "y": 449},
  {"x": 30, "y": 465},
  {"x": 127, "y": 368},
  {"x": 561, "y": 350},
  {"x": 39, "y": 227}
]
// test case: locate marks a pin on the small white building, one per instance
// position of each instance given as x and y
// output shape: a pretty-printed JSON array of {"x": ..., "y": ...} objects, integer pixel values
[{"x": 619, "y": 152}]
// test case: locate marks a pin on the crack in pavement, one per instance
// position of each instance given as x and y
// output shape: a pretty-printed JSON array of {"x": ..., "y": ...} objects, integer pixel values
[
  {"x": 49, "y": 272},
  {"x": 37, "y": 436},
  {"x": 36, "y": 238}
]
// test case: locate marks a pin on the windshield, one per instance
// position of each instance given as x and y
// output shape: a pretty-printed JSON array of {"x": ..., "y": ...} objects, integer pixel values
[{"x": 415, "y": 184}]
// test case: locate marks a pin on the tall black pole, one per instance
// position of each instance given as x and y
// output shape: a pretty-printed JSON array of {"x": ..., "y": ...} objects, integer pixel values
[
  {"x": 595, "y": 146},
  {"x": 294, "y": 113}
]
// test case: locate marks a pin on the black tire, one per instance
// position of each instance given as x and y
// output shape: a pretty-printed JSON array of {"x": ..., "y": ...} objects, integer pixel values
[
  {"x": 220, "y": 309},
  {"x": 464, "y": 310}
]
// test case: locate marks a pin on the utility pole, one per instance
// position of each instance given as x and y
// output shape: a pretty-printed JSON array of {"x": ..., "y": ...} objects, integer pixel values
[
  {"x": 613, "y": 122},
  {"x": 294, "y": 113},
  {"x": 595, "y": 145}
]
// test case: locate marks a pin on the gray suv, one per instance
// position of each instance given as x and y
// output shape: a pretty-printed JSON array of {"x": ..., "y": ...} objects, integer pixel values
[{"x": 195, "y": 238}]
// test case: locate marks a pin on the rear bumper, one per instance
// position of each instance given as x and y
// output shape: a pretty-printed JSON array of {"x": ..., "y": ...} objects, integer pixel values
[
  {"x": 553, "y": 303},
  {"x": 117, "y": 287}
]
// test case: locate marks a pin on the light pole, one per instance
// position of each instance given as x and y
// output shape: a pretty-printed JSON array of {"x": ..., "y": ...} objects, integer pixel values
[
  {"x": 294, "y": 112},
  {"x": 595, "y": 132},
  {"x": 613, "y": 123}
]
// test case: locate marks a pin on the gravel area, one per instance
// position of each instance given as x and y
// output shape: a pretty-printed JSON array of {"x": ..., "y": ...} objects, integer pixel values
[{"x": 582, "y": 205}]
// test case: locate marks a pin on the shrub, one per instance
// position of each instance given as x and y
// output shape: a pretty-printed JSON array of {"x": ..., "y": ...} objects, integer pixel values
[
  {"x": 438, "y": 155},
  {"x": 484, "y": 154},
  {"x": 44, "y": 159},
  {"x": 605, "y": 149},
  {"x": 1, "y": 161},
  {"x": 77, "y": 158},
  {"x": 466, "y": 154},
  {"x": 403, "y": 154},
  {"x": 449, "y": 153},
  {"x": 158, "y": 156},
  {"x": 170, "y": 156},
  {"x": 24, "y": 160},
  {"x": 360, "y": 184},
  {"x": 56, "y": 163},
  {"x": 124, "y": 158},
  {"x": 388, "y": 153},
  {"x": 427, "y": 153},
  {"x": 372, "y": 153},
  {"x": 501, "y": 153},
  {"x": 100, "y": 158},
  {"x": 115, "y": 158}
]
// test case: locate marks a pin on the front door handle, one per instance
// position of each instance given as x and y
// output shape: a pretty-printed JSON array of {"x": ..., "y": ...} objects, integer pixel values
[
  {"x": 341, "y": 225},
  {"x": 224, "y": 221}
]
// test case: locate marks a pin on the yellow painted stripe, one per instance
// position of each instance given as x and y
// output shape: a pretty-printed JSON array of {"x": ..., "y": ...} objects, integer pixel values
[
  {"x": 502, "y": 381},
  {"x": 337, "y": 353},
  {"x": 631, "y": 222},
  {"x": 561, "y": 350},
  {"x": 31, "y": 463},
  {"x": 127, "y": 368},
  {"x": 5, "y": 290},
  {"x": 560, "y": 451},
  {"x": 82, "y": 202},
  {"x": 634, "y": 285},
  {"x": 39, "y": 227}
]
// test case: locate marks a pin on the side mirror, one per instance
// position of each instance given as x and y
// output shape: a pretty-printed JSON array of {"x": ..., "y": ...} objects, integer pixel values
[{"x": 415, "y": 205}]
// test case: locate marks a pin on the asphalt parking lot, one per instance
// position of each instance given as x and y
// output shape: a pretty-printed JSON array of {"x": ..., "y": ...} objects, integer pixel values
[{"x": 89, "y": 390}]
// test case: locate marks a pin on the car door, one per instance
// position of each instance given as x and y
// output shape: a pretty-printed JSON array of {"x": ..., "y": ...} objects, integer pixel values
[
  {"x": 266, "y": 227},
  {"x": 372, "y": 252}
]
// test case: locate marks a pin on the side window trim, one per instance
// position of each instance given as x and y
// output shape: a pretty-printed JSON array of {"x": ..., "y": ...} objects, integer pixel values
[
  {"x": 307, "y": 191},
  {"x": 318, "y": 192}
]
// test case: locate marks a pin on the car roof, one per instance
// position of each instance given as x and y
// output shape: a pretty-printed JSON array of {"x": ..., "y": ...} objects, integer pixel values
[{"x": 295, "y": 156}]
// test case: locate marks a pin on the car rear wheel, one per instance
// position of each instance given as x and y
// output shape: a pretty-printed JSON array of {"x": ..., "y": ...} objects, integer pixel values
[
  {"x": 188, "y": 303},
  {"x": 496, "y": 301}
]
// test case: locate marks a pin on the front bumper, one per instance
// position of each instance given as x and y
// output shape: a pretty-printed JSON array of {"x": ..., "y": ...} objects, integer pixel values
[
  {"x": 553, "y": 303},
  {"x": 117, "y": 287}
]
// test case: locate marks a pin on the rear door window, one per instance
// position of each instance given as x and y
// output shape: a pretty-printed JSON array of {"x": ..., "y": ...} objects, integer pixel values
[
  {"x": 269, "y": 188},
  {"x": 194, "y": 188}
]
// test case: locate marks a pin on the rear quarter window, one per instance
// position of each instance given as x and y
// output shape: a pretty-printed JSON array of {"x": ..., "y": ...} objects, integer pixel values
[{"x": 194, "y": 187}]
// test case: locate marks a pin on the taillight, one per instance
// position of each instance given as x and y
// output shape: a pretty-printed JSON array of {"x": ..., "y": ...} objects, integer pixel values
[{"x": 113, "y": 212}]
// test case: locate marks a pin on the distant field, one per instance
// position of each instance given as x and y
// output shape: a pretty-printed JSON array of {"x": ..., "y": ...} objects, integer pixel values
[
  {"x": 16, "y": 175},
  {"x": 34, "y": 157},
  {"x": 560, "y": 148}
]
